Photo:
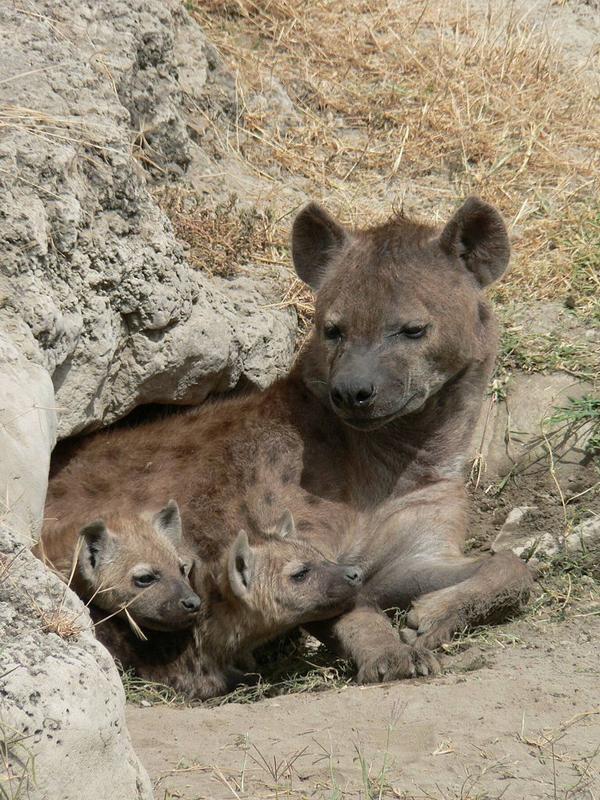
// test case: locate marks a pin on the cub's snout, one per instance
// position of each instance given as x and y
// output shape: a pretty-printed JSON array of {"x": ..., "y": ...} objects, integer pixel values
[
  {"x": 353, "y": 576},
  {"x": 191, "y": 604},
  {"x": 179, "y": 608}
]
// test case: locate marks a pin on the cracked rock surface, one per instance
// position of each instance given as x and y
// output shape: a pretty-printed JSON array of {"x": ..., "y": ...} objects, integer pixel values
[{"x": 94, "y": 286}]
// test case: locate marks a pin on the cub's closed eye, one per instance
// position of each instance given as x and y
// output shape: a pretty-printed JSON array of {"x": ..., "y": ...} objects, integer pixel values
[
  {"x": 300, "y": 575},
  {"x": 145, "y": 579},
  {"x": 413, "y": 331},
  {"x": 332, "y": 332}
]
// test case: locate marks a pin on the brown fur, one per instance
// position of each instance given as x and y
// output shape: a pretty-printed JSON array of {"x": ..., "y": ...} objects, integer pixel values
[
  {"x": 251, "y": 594},
  {"x": 364, "y": 441}
]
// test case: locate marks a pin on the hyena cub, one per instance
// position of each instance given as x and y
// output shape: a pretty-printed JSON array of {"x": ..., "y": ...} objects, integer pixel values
[
  {"x": 257, "y": 590},
  {"x": 131, "y": 565}
]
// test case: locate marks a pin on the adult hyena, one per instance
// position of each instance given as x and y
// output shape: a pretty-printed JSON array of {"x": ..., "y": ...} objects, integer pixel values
[{"x": 364, "y": 441}]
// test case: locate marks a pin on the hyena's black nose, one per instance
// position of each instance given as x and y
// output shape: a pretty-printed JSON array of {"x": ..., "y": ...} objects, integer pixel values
[
  {"x": 353, "y": 575},
  {"x": 190, "y": 603},
  {"x": 353, "y": 394}
]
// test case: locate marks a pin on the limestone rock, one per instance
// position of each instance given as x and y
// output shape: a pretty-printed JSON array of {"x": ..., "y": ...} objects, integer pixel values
[
  {"x": 93, "y": 285},
  {"x": 518, "y": 536},
  {"x": 584, "y": 537},
  {"x": 511, "y": 432},
  {"x": 62, "y": 704},
  {"x": 99, "y": 313},
  {"x": 27, "y": 436}
]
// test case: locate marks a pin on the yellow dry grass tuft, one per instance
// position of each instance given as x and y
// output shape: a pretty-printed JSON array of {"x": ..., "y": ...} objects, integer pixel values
[
  {"x": 224, "y": 238},
  {"x": 421, "y": 102},
  {"x": 221, "y": 236}
]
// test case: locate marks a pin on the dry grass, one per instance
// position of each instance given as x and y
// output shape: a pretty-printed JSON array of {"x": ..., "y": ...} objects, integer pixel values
[
  {"x": 57, "y": 619},
  {"x": 17, "y": 764},
  {"x": 221, "y": 237},
  {"x": 422, "y": 102},
  {"x": 224, "y": 238}
]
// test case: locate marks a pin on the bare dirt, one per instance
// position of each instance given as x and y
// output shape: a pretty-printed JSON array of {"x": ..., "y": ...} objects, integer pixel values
[{"x": 519, "y": 721}]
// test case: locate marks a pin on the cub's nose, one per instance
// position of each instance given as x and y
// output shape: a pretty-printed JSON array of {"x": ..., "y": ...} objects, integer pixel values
[
  {"x": 353, "y": 575},
  {"x": 190, "y": 603},
  {"x": 356, "y": 394}
]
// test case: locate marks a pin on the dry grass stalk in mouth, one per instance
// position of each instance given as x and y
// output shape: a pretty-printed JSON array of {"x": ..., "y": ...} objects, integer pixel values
[{"x": 433, "y": 96}]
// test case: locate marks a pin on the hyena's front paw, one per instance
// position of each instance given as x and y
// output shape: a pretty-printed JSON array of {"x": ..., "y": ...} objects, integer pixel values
[
  {"x": 433, "y": 620},
  {"x": 396, "y": 663}
]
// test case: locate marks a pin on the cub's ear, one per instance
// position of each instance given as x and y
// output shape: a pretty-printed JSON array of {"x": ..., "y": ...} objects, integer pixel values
[
  {"x": 316, "y": 237},
  {"x": 186, "y": 565},
  {"x": 477, "y": 235},
  {"x": 240, "y": 566},
  {"x": 286, "y": 527},
  {"x": 97, "y": 548},
  {"x": 167, "y": 522}
]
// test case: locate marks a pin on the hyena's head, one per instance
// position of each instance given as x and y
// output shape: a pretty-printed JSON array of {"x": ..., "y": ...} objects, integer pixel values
[
  {"x": 280, "y": 582},
  {"x": 135, "y": 564},
  {"x": 400, "y": 309}
]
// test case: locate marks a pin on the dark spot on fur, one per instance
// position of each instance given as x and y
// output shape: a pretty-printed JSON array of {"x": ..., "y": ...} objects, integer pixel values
[
  {"x": 304, "y": 525},
  {"x": 312, "y": 500},
  {"x": 273, "y": 457},
  {"x": 287, "y": 476},
  {"x": 214, "y": 595},
  {"x": 182, "y": 450},
  {"x": 269, "y": 498},
  {"x": 484, "y": 313},
  {"x": 190, "y": 662}
]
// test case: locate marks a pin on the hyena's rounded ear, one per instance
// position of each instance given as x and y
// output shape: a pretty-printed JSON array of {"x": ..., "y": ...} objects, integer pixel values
[
  {"x": 167, "y": 522},
  {"x": 240, "y": 566},
  {"x": 477, "y": 235},
  {"x": 286, "y": 527},
  {"x": 316, "y": 237},
  {"x": 97, "y": 546}
]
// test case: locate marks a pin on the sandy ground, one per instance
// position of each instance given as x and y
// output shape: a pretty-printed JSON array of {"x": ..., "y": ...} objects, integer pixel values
[{"x": 517, "y": 721}]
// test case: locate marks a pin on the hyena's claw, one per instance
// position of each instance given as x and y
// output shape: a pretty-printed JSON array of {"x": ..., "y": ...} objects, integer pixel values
[
  {"x": 408, "y": 636},
  {"x": 402, "y": 661}
]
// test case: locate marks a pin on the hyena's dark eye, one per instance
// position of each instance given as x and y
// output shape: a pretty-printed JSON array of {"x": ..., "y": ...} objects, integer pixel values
[
  {"x": 145, "y": 579},
  {"x": 332, "y": 332},
  {"x": 300, "y": 575}
]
